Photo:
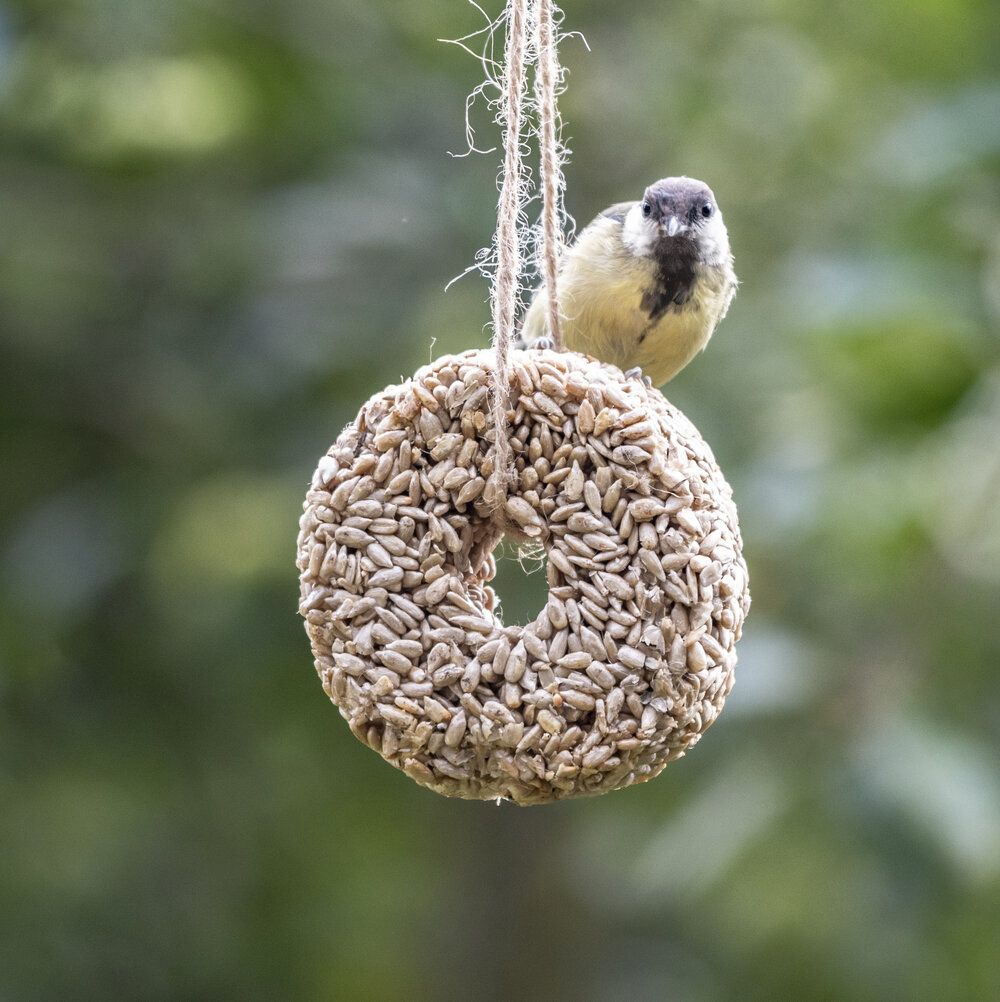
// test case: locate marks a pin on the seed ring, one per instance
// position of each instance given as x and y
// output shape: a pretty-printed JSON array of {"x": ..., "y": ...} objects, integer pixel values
[{"x": 633, "y": 654}]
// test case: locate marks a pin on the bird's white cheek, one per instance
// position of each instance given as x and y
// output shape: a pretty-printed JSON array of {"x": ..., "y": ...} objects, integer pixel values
[
  {"x": 715, "y": 239},
  {"x": 638, "y": 235}
]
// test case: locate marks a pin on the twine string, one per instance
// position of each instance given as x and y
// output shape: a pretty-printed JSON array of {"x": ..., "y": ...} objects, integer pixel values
[
  {"x": 506, "y": 281},
  {"x": 503, "y": 299},
  {"x": 551, "y": 176}
]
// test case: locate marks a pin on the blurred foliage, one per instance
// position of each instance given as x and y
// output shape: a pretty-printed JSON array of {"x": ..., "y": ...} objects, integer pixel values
[{"x": 222, "y": 226}]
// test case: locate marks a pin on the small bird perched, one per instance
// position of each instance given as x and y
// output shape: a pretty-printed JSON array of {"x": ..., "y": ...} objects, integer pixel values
[{"x": 645, "y": 284}]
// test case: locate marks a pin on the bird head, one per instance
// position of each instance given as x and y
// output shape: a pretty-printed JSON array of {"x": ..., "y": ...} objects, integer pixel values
[{"x": 675, "y": 212}]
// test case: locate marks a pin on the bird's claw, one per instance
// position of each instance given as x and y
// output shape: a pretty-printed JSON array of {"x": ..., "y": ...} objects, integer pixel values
[
  {"x": 542, "y": 344},
  {"x": 637, "y": 373}
]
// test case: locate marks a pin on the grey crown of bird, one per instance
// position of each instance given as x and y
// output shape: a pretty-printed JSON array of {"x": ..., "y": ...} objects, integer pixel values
[{"x": 645, "y": 284}]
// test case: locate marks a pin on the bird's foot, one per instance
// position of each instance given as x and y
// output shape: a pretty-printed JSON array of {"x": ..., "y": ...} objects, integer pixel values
[
  {"x": 542, "y": 344},
  {"x": 637, "y": 373}
]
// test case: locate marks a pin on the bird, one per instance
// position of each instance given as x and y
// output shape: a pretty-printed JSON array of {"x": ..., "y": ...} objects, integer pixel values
[{"x": 645, "y": 284}]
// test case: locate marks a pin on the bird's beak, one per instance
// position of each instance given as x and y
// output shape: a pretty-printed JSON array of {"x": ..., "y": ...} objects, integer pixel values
[{"x": 675, "y": 226}]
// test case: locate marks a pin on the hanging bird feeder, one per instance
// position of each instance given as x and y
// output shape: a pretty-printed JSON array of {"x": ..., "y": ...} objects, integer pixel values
[{"x": 633, "y": 654}]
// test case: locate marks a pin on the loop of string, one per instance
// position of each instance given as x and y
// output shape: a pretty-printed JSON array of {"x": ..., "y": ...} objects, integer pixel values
[{"x": 504, "y": 292}]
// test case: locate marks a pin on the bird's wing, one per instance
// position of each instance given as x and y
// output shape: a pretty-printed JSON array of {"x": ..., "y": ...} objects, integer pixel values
[
  {"x": 535, "y": 324},
  {"x": 616, "y": 212}
]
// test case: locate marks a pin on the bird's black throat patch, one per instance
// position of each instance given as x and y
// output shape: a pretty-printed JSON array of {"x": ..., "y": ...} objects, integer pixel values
[{"x": 676, "y": 275}]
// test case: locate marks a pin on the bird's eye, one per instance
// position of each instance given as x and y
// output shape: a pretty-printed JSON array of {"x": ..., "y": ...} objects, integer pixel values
[
  {"x": 707, "y": 209},
  {"x": 647, "y": 209}
]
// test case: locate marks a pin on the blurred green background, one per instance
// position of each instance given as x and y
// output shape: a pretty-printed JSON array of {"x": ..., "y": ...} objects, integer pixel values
[{"x": 223, "y": 225}]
